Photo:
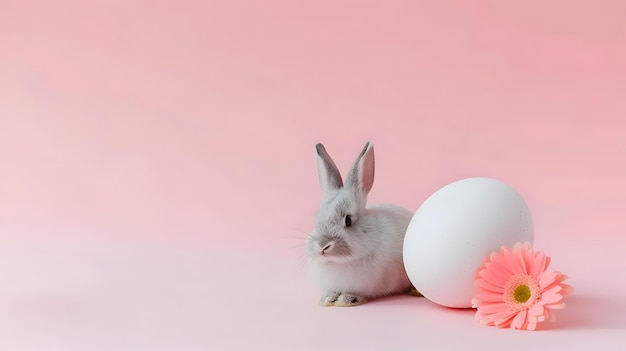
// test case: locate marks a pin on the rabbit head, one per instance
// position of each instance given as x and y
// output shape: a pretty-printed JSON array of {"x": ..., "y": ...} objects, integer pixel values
[{"x": 342, "y": 231}]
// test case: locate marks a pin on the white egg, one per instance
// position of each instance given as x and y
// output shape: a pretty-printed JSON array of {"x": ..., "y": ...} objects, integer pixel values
[{"x": 455, "y": 229}]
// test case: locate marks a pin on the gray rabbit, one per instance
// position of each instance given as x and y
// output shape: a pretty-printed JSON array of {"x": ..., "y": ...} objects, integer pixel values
[{"x": 355, "y": 250}]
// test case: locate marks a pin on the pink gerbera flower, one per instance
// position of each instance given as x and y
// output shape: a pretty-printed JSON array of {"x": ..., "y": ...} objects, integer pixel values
[{"x": 513, "y": 289}]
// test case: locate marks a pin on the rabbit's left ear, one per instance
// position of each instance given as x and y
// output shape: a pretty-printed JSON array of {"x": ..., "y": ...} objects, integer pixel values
[
  {"x": 361, "y": 175},
  {"x": 330, "y": 178}
]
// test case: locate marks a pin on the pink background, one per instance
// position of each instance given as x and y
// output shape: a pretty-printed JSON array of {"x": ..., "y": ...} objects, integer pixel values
[{"x": 158, "y": 176}]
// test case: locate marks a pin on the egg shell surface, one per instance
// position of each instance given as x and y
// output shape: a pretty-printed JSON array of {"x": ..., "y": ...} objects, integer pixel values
[{"x": 455, "y": 229}]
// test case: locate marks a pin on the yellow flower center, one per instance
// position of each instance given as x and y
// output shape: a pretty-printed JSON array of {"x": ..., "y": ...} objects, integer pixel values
[{"x": 522, "y": 293}]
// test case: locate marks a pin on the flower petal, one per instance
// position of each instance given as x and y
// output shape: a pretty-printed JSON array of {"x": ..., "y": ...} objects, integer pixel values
[
  {"x": 498, "y": 260},
  {"x": 494, "y": 274},
  {"x": 513, "y": 263},
  {"x": 536, "y": 309},
  {"x": 519, "y": 321},
  {"x": 550, "y": 299},
  {"x": 547, "y": 279},
  {"x": 538, "y": 264},
  {"x": 483, "y": 319},
  {"x": 489, "y": 308},
  {"x": 483, "y": 284},
  {"x": 549, "y": 315},
  {"x": 556, "y": 306},
  {"x": 518, "y": 253},
  {"x": 488, "y": 296},
  {"x": 553, "y": 289},
  {"x": 503, "y": 318},
  {"x": 567, "y": 289},
  {"x": 531, "y": 322}
]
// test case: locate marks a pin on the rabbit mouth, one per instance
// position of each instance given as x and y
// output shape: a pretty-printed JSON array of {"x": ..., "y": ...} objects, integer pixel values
[{"x": 334, "y": 248}]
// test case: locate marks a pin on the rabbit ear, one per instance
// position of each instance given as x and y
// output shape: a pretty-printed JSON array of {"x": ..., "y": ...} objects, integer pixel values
[
  {"x": 361, "y": 176},
  {"x": 330, "y": 178}
]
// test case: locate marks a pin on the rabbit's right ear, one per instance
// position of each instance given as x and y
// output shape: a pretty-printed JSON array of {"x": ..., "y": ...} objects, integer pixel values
[{"x": 330, "y": 178}]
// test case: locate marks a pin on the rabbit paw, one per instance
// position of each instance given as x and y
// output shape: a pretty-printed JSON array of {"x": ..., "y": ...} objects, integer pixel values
[
  {"x": 329, "y": 299},
  {"x": 347, "y": 300}
]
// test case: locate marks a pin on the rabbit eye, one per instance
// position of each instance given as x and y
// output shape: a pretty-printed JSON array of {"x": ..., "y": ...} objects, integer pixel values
[{"x": 348, "y": 221}]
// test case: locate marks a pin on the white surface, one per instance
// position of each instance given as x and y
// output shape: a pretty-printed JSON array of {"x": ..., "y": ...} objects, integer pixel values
[{"x": 138, "y": 298}]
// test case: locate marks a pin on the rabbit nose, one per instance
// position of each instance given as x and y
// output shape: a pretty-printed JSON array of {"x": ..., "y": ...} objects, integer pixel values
[{"x": 327, "y": 248}]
